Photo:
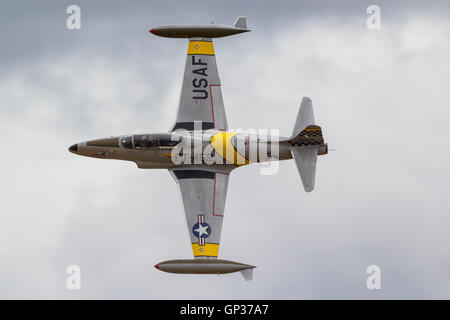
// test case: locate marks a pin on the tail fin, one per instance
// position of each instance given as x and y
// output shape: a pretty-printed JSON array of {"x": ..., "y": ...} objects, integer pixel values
[
  {"x": 306, "y": 143},
  {"x": 241, "y": 22}
]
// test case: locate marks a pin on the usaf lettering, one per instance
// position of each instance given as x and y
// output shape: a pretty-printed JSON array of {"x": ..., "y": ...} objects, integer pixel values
[{"x": 199, "y": 82}]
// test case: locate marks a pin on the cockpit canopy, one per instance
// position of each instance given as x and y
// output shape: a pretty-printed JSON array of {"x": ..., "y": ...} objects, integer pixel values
[{"x": 147, "y": 141}]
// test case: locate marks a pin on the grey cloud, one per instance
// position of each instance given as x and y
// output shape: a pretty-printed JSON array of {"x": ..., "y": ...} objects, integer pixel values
[{"x": 381, "y": 97}]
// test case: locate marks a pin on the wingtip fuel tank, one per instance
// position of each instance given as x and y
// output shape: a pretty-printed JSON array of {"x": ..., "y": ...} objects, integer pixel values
[
  {"x": 201, "y": 31},
  {"x": 205, "y": 266}
]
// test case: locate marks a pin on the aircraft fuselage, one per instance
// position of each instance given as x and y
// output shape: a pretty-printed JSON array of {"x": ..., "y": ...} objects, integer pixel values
[{"x": 158, "y": 150}]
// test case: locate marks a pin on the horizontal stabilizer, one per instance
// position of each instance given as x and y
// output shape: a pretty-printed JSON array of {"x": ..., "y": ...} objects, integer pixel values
[
  {"x": 306, "y": 143},
  {"x": 305, "y": 116},
  {"x": 305, "y": 159}
]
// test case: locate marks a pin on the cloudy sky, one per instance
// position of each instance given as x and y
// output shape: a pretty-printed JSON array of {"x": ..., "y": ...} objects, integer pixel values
[{"x": 381, "y": 196}]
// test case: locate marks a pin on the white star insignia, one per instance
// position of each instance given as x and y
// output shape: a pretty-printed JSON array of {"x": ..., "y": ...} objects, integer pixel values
[{"x": 202, "y": 230}]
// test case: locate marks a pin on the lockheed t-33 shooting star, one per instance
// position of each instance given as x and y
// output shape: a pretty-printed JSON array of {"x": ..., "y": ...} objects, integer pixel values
[{"x": 201, "y": 124}]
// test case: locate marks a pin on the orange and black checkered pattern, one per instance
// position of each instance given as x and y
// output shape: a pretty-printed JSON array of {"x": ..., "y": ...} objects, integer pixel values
[{"x": 310, "y": 136}]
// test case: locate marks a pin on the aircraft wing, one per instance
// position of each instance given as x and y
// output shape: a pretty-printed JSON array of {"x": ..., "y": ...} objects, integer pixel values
[
  {"x": 203, "y": 192},
  {"x": 201, "y": 94}
]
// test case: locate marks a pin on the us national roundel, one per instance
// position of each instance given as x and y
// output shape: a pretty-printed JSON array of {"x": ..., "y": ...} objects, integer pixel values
[{"x": 201, "y": 230}]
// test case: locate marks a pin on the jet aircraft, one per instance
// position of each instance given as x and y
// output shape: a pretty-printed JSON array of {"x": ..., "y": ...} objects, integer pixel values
[{"x": 200, "y": 151}]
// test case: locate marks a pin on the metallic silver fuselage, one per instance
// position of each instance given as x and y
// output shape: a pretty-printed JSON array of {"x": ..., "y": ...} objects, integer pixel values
[{"x": 160, "y": 157}]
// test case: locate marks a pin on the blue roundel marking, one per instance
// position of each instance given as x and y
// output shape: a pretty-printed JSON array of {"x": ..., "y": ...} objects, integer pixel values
[{"x": 201, "y": 230}]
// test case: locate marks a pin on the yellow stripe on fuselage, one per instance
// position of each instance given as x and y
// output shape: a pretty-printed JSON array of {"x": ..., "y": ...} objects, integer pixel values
[
  {"x": 201, "y": 47},
  {"x": 209, "y": 249},
  {"x": 221, "y": 142}
]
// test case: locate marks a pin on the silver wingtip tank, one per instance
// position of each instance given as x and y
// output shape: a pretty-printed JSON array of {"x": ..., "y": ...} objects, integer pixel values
[
  {"x": 205, "y": 266},
  {"x": 201, "y": 31}
]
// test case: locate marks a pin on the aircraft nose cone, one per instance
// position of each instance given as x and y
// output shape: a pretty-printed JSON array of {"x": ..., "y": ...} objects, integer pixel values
[{"x": 73, "y": 148}]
